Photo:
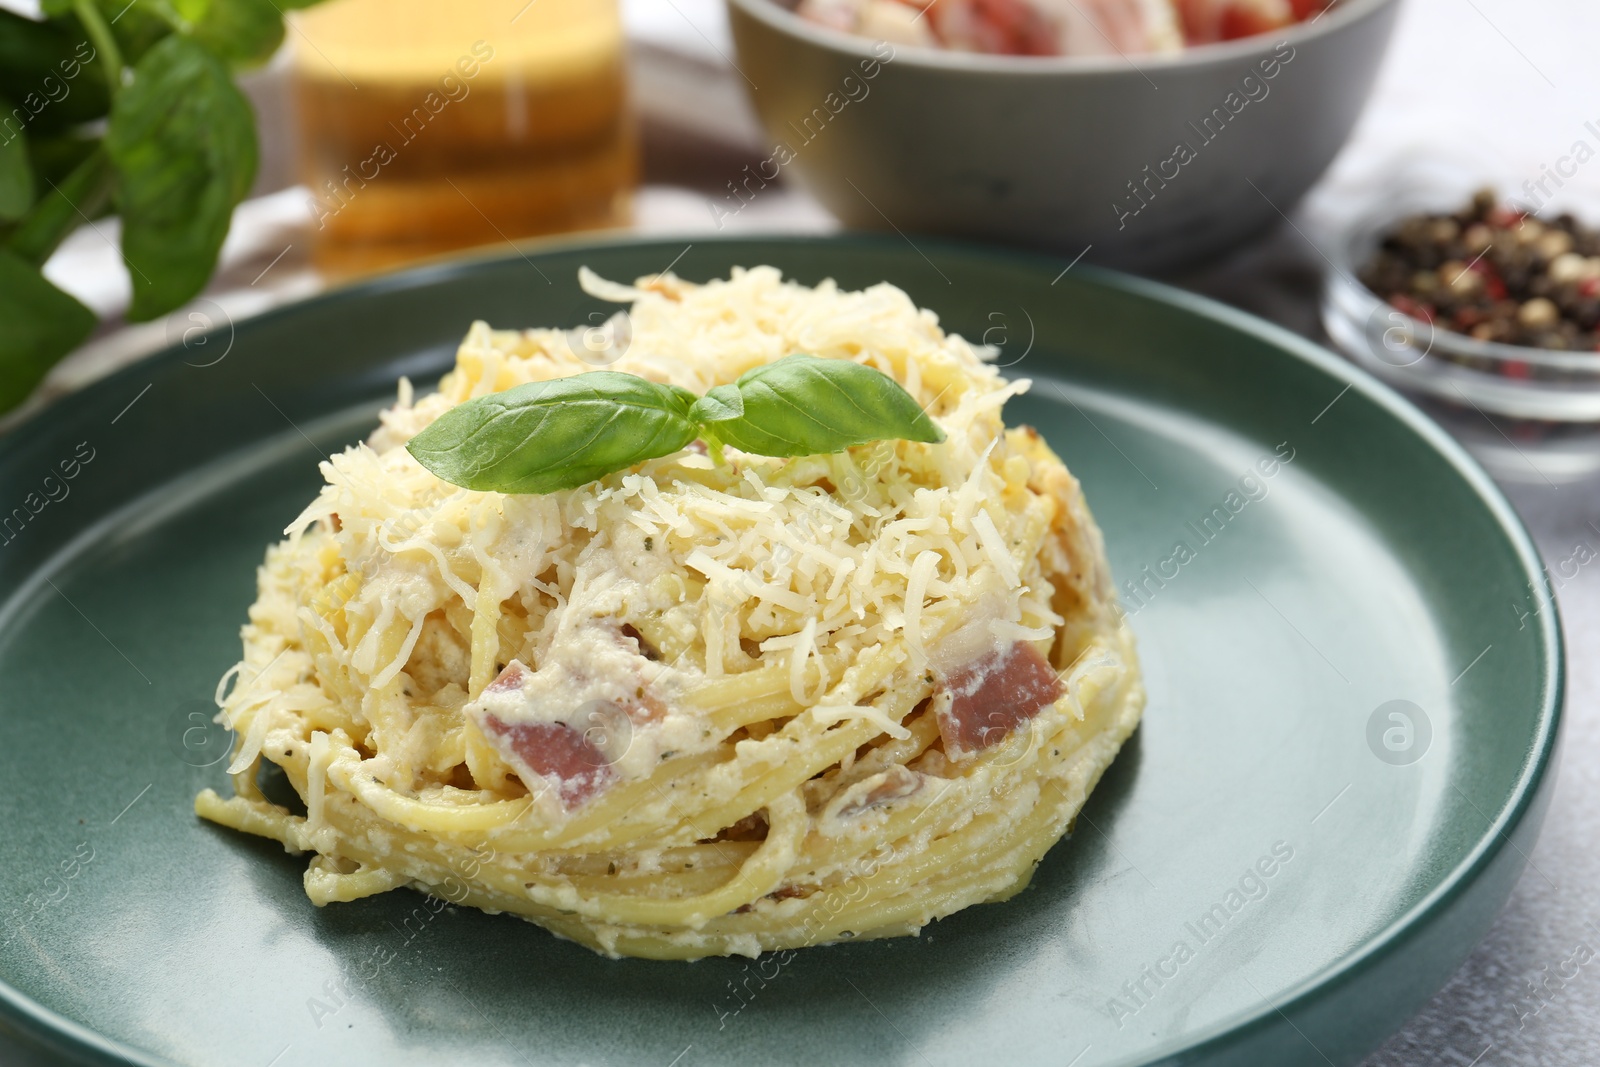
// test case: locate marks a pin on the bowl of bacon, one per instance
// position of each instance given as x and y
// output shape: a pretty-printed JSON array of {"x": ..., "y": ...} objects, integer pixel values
[{"x": 1150, "y": 134}]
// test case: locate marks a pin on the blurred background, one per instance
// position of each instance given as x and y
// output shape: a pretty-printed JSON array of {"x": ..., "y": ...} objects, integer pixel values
[
  {"x": 394, "y": 131},
  {"x": 385, "y": 139}
]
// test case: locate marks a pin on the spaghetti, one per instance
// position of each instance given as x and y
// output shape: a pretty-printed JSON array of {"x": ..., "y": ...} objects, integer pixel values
[{"x": 693, "y": 708}]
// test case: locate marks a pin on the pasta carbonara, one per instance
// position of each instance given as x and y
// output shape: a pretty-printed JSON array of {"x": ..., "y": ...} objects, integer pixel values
[{"x": 692, "y": 708}]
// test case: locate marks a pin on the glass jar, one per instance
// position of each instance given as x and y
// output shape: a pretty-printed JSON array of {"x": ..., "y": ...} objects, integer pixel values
[
  {"x": 427, "y": 126},
  {"x": 1529, "y": 414}
]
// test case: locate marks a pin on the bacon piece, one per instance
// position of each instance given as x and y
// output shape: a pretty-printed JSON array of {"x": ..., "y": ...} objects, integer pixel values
[
  {"x": 570, "y": 747},
  {"x": 999, "y": 27},
  {"x": 1208, "y": 21},
  {"x": 508, "y": 680},
  {"x": 558, "y": 753},
  {"x": 993, "y": 695}
]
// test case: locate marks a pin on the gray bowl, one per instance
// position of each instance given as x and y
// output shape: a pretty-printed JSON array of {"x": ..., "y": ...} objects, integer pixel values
[{"x": 1153, "y": 163}]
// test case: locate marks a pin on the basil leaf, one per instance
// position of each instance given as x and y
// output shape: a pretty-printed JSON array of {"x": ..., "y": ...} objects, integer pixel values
[
  {"x": 16, "y": 174},
  {"x": 722, "y": 403},
  {"x": 54, "y": 158},
  {"x": 243, "y": 31},
  {"x": 560, "y": 434},
  {"x": 182, "y": 139},
  {"x": 136, "y": 27},
  {"x": 38, "y": 325},
  {"x": 48, "y": 74},
  {"x": 85, "y": 191},
  {"x": 802, "y": 405}
]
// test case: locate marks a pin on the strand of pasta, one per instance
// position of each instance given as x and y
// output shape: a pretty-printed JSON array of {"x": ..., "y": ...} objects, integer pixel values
[
  {"x": 327, "y": 885},
  {"x": 866, "y": 916},
  {"x": 1057, "y": 731},
  {"x": 852, "y": 920},
  {"x": 343, "y": 828},
  {"x": 468, "y": 815}
]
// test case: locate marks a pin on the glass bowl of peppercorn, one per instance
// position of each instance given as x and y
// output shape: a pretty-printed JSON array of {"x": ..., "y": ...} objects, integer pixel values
[{"x": 1484, "y": 307}]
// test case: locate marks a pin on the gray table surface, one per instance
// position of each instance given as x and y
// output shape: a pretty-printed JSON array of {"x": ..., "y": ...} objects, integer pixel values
[{"x": 1497, "y": 89}]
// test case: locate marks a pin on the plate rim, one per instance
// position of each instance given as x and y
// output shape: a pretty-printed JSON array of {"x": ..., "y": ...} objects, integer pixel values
[{"x": 63, "y": 1035}]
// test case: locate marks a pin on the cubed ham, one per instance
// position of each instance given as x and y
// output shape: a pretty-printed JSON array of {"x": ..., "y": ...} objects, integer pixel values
[
  {"x": 997, "y": 27},
  {"x": 509, "y": 679},
  {"x": 556, "y": 734},
  {"x": 1059, "y": 27},
  {"x": 559, "y": 754},
  {"x": 991, "y": 696},
  {"x": 1208, "y": 21}
]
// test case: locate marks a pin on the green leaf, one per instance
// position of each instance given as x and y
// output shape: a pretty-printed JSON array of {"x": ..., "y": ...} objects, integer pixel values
[
  {"x": 721, "y": 404},
  {"x": 137, "y": 27},
  {"x": 56, "y": 157},
  {"x": 560, "y": 434},
  {"x": 49, "y": 73},
  {"x": 134, "y": 27},
  {"x": 182, "y": 140},
  {"x": 38, "y": 325},
  {"x": 16, "y": 175},
  {"x": 81, "y": 194},
  {"x": 802, "y": 405},
  {"x": 243, "y": 31}
]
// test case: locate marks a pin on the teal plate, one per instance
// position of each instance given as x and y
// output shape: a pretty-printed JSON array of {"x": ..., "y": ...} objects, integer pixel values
[{"x": 1354, "y": 667}]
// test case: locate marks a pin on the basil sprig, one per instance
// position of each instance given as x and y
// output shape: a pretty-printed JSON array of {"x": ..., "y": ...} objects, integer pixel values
[
  {"x": 805, "y": 406},
  {"x": 544, "y": 436},
  {"x": 112, "y": 107},
  {"x": 560, "y": 434},
  {"x": 182, "y": 141}
]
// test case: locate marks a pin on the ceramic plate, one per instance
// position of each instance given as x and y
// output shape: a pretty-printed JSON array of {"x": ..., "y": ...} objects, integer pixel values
[{"x": 1353, "y": 662}]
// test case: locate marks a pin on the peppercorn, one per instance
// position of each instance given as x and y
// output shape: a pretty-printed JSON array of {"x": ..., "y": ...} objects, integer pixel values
[
  {"x": 1554, "y": 243},
  {"x": 1568, "y": 267},
  {"x": 1496, "y": 274},
  {"x": 1538, "y": 313},
  {"x": 1529, "y": 232},
  {"x": 1459, "y": 279}
]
